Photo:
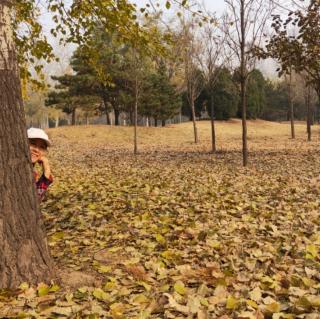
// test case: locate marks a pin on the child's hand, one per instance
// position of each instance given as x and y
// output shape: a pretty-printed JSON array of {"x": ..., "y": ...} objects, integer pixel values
[{"x": 46, "y": 166}]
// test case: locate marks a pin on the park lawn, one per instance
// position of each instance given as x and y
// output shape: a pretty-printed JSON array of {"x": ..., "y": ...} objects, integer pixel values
[{"x": 178, "y": 232}]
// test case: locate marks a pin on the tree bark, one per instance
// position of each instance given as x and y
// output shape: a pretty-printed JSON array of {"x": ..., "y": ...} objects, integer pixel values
[
  {"x": 23, "y": 249},
  {"x": 108, "y": 118},
  {"x": 193, "y": 113},
  {"x": 136, "y": 117},
  {"x": 243, "y": 87},
  {"x": 309, "y": 113},
  {"x": 105, "y": 104},
  {"x": 116, "y": 117},
  {"x": 293, "y": 135},
  {"x": 131, "y": 116},
  {"x": 73, "y": 117},
  {"x": 213, "y": 130}
]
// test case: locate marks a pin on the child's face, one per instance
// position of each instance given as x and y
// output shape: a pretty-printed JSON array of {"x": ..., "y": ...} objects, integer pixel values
[{"x": 38, "y": 148}]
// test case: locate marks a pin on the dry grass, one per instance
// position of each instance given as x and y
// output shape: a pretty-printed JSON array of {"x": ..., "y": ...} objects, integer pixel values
[{"x": 261, "y": 134}]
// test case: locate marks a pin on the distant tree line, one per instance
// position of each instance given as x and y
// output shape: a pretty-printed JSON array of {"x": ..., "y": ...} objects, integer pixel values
[
  {"x": 93, "y": 94},
  {"x": 266, "y": 99}
]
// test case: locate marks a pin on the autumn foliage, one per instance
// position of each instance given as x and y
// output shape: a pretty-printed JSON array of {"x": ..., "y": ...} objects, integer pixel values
[{"x": 176, "y": 232}]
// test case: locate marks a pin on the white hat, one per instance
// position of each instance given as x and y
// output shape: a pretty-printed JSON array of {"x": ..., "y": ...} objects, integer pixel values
[{"x": 38, "y": 133}]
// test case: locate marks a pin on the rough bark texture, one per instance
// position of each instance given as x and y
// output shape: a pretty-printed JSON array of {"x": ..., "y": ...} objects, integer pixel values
[{"x": 23, "y": 249}]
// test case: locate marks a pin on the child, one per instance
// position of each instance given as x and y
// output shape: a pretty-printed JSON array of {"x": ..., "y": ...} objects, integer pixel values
[{"x": 38, "y": 143}]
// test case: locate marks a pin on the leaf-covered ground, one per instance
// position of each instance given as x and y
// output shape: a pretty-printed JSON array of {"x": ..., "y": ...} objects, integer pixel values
[{"x": 177, "y": 232}]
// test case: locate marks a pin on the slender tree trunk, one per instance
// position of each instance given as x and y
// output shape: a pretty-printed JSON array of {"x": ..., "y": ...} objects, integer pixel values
[
  {"x": 105, "y": 104},
  {"x": 243, "y": 87},
  {"x": 136, "y": 117},
  {"x": 147, "y": 121},
  {"x": 108, "y": 118},
  {"x": 309, "y": 113},
  {"x": 163, "y": 123},
  {"x": 195, "y": 130},
  {"x": 56, "y": 124},
  {"x": 73, "y": 117},
  {"x": 293, "y": 135},
  {"x": 213, "y": 130},
  {"x": 155, "y": 122},
  {"x": 23, "y": 249},
  {"x": 131, "y": 116}
]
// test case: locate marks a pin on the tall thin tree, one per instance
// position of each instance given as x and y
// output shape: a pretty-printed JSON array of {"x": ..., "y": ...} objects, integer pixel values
[
  {"x": 244, "y": 26},
  {"x": 193, "y": 75},
  {"x": 212, "y": 58}
]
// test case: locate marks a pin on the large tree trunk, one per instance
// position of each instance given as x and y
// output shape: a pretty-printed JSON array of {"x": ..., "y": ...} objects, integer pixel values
[
  {"x": 243, "y": 87},
  {"x": 195, "y": 130},
  {"x": 24, "y": 255},
  {"x": 213, "y": 130}
]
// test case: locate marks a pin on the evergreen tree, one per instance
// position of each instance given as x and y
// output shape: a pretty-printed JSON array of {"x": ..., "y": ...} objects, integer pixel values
[
  {"x": 159, "y": 98},
  {"x": 256, "y": 95},
  {"x": 225, "y": 95}
]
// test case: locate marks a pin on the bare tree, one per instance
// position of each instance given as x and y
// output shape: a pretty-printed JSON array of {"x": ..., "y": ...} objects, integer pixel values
[
  {"x": 135, "y": 67},
  {"x": 193, "y": 75},
  {"x": 212, "y": 58},
  {"x": 244, "y": 26}
]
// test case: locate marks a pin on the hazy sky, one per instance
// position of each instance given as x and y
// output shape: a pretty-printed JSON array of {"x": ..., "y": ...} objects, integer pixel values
[{"x": 217, "y": 6}]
